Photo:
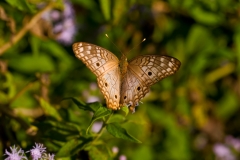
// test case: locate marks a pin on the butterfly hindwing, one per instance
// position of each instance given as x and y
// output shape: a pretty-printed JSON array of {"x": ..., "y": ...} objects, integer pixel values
[
  {"x": 109, "y": 84},
  {"x": 132, "y": 90}
]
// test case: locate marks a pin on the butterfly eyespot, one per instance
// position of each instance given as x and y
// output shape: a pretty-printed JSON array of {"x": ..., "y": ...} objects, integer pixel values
[
  {"x": 149, "y": 73},
  {"x": 138, "y": 88},
  {"x": 124, "y": 97},
  {"x": 106, "y": 84},
  {"x": 97, "y": 64},
  {"x": 116, "y": 96}
]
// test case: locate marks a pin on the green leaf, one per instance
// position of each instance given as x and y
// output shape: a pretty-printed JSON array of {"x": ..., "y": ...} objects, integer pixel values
[
  {"x": 98, "y": 152},
  {"x": 118, "y": 10},
  {"x": 49, "y": 109},
  {"x": 106, "y": 8},
  {"x": 95, "y": 106},
  {"x": 22, "y": 5},
  {"x": 125, "y": 109},
  {"x": 117, "y": 131},
  {"x": 101, "y": 112},
  {"x": 81, "y": 105},
  {"x": 31, "y": 64},
  {"x": 72, "y": 147},
  {"x": 206, "y": 17},
  {"x": 117, "y": 118}
]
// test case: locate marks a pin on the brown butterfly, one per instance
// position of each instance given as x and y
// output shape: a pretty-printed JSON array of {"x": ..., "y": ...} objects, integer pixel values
[{"x": 122, "y": 82}]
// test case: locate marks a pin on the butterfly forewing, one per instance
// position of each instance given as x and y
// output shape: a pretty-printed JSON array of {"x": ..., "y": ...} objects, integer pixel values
[
  {"x": 142, "y": 72},
  {"x": 104, "y": 65},
  {"x": 97, "y": 59}
]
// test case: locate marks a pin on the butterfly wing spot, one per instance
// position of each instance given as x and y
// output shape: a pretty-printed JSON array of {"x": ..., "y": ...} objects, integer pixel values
[
  {"x": 162, "y": 65},
  {"x": 149, "y": 73},
  {"x": 106, "y": 84},
  {"x": 124, "y": 97},
  {"x": 138, "y": 88},
  {"x": 116, "y": 96},
  {"x": 81, "y": 49},
  {"x": 169, "y": 69},
  {"x": 97, "y": 64},
  {"x": 170, "y": 64}
]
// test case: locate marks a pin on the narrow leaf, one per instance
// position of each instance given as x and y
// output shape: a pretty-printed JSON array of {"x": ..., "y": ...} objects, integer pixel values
[
  {"x": 79, "y": 103},
  {"x": 106, "y": 8}
]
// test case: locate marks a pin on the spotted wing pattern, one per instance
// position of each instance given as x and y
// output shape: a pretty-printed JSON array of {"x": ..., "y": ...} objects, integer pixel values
[
  {"x": 104, "y": 65},
  {"x": 142, "y": 72}
]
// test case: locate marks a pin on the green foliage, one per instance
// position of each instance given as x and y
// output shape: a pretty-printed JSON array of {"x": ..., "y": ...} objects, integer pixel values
[
  {"x": 119, "y": 132},
  {"x": 48, "y": 96}
]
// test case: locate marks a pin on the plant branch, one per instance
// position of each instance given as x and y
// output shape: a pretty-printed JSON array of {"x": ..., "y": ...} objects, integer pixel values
[
  {"x": 29, "y": 85},
  {"x": 101, "y": 130},
  {"x": 25, "y": 29}
]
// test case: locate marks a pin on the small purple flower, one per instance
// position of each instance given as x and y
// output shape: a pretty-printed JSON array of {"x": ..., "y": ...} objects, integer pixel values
[
  {"x": 65, "y": 26},
  {"x": 223, "y": 152},
  {"x": 15, "y": 154},
  {"x": 63, "y": 23},
  {"x": 37, "y": 151}
]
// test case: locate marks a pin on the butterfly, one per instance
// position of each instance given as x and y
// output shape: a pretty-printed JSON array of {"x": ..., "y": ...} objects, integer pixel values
[{"x": 122, "y": 82}]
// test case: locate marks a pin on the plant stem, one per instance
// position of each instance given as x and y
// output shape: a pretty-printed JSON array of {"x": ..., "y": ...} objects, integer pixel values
[
  {"x": 101, "y": 130},
  {"x": 25, "y": 29}
]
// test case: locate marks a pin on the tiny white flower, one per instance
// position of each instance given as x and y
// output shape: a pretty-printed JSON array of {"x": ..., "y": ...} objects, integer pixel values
[
  {"x": 15, "y": 154},
  {"x": 37, "y": 151}
]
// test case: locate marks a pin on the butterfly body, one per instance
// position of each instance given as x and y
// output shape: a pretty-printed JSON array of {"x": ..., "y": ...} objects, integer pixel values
[{"x": 123, "y": 82}]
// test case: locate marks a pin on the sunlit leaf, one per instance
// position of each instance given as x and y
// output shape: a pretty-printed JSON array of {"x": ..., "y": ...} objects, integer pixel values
[{"x": 106, "y": 8}]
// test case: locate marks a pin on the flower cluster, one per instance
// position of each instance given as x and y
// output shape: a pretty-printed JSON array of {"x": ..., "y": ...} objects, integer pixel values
[
  {"x": 64, "y": 26},
  {"x": 38, "y": 152},
  {"x": 228, "y": 149}
]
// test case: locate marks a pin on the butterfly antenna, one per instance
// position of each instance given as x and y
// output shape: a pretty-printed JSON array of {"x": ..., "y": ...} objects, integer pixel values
[
  {"x": 113, "y": 43},
  {"x": 144, "y": 39}
]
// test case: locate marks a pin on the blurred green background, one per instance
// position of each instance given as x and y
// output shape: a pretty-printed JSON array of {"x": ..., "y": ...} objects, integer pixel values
[{"x": 193, "y": 114}]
